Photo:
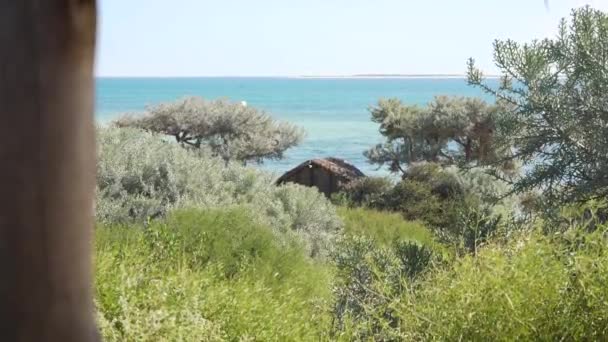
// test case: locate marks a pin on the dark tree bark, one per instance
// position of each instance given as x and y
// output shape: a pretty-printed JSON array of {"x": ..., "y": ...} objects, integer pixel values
[{"x": 47, "y": 170}]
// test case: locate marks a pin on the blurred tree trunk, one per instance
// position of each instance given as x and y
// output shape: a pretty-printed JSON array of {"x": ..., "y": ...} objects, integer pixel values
[{"x": 47, "y": 169}]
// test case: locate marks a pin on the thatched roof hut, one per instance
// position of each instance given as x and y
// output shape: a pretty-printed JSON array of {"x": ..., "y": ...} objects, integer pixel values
[{"x": 328, "y": 174}]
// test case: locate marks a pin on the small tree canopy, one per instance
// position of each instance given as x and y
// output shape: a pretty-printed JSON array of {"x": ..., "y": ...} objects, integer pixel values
[
  {"x": 230, "y": 130},
  {"x": 449, "y": 130},
  {"x": 558, "y": 91}
]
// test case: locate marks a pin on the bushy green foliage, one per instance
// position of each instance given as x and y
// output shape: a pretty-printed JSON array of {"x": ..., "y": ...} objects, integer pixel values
[
  {"x": 532, "y": 288},
  {"x": 216, "y": 275},
  {"x": 472, "y": 227},
  {"x": 230, "y": 130},
  {"x": 205, "y": 276},
  {"x": 448, "y": 130},
  {"x": 381, "y": 253},
  {"x": 441, "y": 181},
  {"x": 214, "y": 237},
  {"x": 426, "y": 193},
  {"x": 462, "y": 209},
  {"x": 587, "y": 215},
  {"x": 302, "y": 211},
  {"x": 140, "y": 176},
  {"x": 385, "y": 228},
  {"x": 364, "y": 192},
  {"x": 556, "y": 91},
  {"x": 369, "y": 278},
  {"x": 363, "y": 270}
]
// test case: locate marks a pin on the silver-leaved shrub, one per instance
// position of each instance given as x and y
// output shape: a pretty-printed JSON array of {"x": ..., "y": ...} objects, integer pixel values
[{"x": 141, "y": 176}]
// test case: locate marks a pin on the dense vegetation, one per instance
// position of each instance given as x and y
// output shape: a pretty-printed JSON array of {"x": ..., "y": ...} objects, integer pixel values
[
  {"x": 230, "y": 130},
  {"x": 142, "y": 177},
  {"x": 449, "y": 130},
  {"x": 462, "y": 246},
  {"x": 557, "y": 125},
  {"x": 207, "y": 276}
]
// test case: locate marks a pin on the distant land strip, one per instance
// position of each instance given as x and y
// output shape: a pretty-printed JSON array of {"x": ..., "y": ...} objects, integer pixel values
[
  {"x": 394, "y": 76},
  {"x": 438, "y": 76}
]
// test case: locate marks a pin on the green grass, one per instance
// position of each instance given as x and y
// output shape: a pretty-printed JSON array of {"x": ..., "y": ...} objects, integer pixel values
[
  {"x": 384, "y": 227},
  {"x": 205, "y": 276},
  {"x": 532, "y": 289},
  {"x": 215, "y": 275}
]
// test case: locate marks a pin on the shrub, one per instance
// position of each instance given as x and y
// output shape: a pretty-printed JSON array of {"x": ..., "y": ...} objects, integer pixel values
[
  {"x": 442, "y": 182},
  {"x": 588, "y": 215},
  {"x": 303, "y": 211},
  {"x": 473, "y": 226},
  {"x": 200, "y": 238},
  {"x": 369, "y": 279},
  {"x": 415, "y": 201},
  {"x": 385, "y": 228},
  {"x": 462, "y": 208},
  {"x": 428, "y": 193},
  {"x": 363, "y": 270},
  {"x": 141, "y": 176},
  {"x": 532, "y": 289},
  {"x": 364, "y": 192},
  {"x": 414, "y": 258},
  {"x": 381, "y": 256},
  {"x": 204, "y": 276}
]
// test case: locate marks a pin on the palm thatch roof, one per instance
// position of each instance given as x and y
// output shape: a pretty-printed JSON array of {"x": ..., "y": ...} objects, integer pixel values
[{"x": 335, "y": 166}]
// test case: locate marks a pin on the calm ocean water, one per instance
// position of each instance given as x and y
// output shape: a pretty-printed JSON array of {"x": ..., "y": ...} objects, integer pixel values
[{"x": 334, "y": 112}]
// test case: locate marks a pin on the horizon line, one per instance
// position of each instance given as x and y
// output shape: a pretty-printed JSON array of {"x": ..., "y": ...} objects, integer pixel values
[{"x": 367, "y": 75}]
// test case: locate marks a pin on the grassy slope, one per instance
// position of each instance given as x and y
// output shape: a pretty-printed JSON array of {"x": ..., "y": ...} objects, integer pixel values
[
  {"x": 214, "y": 275},
  {"x": 383, "y": 227},
  {"x": 207, "y": 275}
]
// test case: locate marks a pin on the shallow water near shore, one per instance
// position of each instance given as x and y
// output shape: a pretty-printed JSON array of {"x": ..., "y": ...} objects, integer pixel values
[{"x": 333, "y": 111}]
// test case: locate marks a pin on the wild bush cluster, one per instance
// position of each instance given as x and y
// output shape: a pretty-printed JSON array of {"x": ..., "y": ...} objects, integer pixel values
[
  {"x": 207, "y": 275},
  {"x": 534, "y": 287},
  {"x": 215, "y": 275},
  {"x": 140, "y": 177},
  {"x": 462, "y": 209}
]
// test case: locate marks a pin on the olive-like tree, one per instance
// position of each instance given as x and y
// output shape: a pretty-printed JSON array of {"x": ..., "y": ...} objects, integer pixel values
[
  {"x": 232, "y": 131},
  {"x": 449, "y": 130},
  {"x": 558, "y": 92}
]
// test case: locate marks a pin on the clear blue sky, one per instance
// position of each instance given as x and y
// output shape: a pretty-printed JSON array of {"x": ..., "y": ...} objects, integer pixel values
[{"x": 313, "y": 37}]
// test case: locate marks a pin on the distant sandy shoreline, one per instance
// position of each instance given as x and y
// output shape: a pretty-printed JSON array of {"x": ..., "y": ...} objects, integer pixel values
[
  {"x": 381, "y": 77},
  {"x": 422, "y": 76},
  {"x": 388, "y": 76}
]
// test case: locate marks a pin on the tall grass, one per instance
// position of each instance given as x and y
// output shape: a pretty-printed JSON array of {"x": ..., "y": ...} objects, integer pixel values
[
  {"x": 383, "y": 227},
  {"x": 207, "y": 275},
  {"x": 533, "y": 288},
  {"x": 216, "y": 275},
  {"x": 536, "y": 289}
]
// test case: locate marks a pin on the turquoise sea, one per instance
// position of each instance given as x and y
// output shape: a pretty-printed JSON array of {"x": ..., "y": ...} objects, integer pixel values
[{"x": 333, "y": 111}]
